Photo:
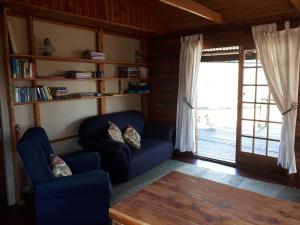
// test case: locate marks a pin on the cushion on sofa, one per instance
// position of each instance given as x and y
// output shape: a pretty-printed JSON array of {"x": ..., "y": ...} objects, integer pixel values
[
  {"x": 59, "y": 167},
  {"x": 152, "y": 152},
  {"x": 114, "y": 132},
  {"x": 96, "y": 126},
  {"x": 132, "y": 137}
]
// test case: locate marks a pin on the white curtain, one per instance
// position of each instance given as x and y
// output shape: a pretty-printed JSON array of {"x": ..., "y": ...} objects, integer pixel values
[
  {"x": 190, "y": 57},
  {"x": 280, "y": 57}
]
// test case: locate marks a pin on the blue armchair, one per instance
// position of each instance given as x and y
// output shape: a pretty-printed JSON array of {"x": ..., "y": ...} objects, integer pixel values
[{"x": 83, "y": 198}]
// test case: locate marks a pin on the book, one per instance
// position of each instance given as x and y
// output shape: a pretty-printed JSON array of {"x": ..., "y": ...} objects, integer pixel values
[{"x": 12, "y": 39}]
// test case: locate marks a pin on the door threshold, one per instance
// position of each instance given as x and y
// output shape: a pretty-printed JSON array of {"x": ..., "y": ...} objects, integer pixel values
[{"x": 226, "y": 163}]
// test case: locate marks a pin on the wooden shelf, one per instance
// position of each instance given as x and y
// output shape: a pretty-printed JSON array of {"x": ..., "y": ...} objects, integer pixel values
[
  {"x": 60, "y": 78},
  {"x": 23, "y": 79},
  {"x": 74, "y": 59},
  {"x": 74, "y": 99}
]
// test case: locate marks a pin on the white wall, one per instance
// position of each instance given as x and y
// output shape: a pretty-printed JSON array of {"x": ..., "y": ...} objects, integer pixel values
[{"x": 61, "y": 119}]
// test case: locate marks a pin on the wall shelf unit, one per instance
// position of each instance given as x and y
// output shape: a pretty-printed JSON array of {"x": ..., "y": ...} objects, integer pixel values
[{"x": 37, "y": 79}]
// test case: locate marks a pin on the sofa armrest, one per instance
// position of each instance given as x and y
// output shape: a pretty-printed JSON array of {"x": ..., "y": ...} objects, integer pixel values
[
  {"x": 160, "y": 131},
  {"x": 96, "y": 182},
  {"x": 107, "y": 147},
  {"x": 83, "y": 161}
]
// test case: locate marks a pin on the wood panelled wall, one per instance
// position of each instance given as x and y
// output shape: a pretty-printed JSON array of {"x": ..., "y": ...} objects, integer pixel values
[
  {"x": 163, "y": 57},
  {"x": 136, "y": 14}
]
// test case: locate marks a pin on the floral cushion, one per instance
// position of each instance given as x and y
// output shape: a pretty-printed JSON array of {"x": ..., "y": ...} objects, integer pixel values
[
  {"x": 132, "y": 137},
  {"x": 59, "y": 167},
  {"x": 114, "y": 132}
]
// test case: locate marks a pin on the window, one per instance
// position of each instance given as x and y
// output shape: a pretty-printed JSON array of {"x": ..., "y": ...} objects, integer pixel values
[{"x": 261, "y": 119}]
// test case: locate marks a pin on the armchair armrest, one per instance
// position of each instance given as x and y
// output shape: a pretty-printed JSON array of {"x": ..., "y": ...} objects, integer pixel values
[
  {"x": 107, "y": 147},
  {"x": 77, "y": 199},
  {"x": 75, "y": 185},
  {"x": 83, "y": 161},
  {"x": 160, "y": 131}
]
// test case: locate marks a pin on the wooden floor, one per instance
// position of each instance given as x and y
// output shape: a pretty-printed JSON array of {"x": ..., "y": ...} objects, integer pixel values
[{"x": 25, "y": 214}]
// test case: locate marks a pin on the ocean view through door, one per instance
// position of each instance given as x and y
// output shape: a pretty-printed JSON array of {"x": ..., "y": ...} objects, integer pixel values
[{"x": 217, "y": 110}]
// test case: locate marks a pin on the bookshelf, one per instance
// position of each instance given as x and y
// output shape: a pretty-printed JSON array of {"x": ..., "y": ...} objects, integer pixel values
[{"x": 36, "y": 80}]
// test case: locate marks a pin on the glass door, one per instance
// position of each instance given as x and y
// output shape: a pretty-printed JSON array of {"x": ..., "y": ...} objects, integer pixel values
[{"x": 259, "y": 118}]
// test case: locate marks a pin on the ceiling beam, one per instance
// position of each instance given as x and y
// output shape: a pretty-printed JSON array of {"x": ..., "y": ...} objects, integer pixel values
[
  {"x": 195, "y": 8},
  {"x": 296, "y": 3}
]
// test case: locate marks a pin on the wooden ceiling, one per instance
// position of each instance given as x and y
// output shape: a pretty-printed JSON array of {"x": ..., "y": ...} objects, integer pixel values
[
  {"x": 147, "y": 17},
  {"x": 234, "y": 12}
]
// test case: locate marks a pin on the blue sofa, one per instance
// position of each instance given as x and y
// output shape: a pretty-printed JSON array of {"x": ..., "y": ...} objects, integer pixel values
[
  {"x": 122, "y": 162},
  {"x": 83, "y": 198}
]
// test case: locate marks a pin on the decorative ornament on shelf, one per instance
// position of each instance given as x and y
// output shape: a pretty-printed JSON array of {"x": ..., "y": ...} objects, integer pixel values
[{"x": 47, "y": 48}]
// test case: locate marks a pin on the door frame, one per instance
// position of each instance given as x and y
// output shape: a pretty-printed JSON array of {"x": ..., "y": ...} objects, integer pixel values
[
  {"x": 256, "y": 163},
  {"x": 2, "y": 166},
  {"x": 197, "y": 132}
]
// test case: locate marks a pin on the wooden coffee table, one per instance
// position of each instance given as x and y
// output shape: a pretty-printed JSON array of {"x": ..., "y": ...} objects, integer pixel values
[{"x": 178, "y": 198}]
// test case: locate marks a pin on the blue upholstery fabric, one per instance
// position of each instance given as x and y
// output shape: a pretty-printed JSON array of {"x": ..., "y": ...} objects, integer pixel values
[
  {"x": 152, "y": 153},
  {"x": 122, "y": 162},
  {"x": 83, "y": 162},
  {"x": 160, "y": 131},
  {"x": 35, "y": 161},
  {"x": 97, "y": 126},
  {"x": 75, "y": 200},
  {"x": 82, "y": 198},
  {"x": 39, "y": 135}
]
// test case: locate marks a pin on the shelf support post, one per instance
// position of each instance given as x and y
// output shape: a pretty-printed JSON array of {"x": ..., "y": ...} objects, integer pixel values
[
  {"x": 10, "y": 104},
  {"x": 100, "y": 67}
]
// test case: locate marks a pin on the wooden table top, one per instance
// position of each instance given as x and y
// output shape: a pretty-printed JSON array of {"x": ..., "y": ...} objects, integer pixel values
[{"x": 178, "y": 199}]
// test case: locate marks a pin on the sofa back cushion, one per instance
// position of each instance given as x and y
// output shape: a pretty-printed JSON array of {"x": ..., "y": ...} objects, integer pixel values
[{"x": 96, "y": 126}]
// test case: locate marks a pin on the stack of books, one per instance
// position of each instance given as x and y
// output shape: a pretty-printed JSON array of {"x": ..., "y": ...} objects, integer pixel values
[
  {"x": 59, "y": 92},
  {"x": 127, "y": 71},
  {"x": 138, "y": 88},
  {"x": 21, "y": 68},
  {"x": 78, "y": 75},
  {"x": 24, "y": 94},
  {"x": 88, "y": 54}
]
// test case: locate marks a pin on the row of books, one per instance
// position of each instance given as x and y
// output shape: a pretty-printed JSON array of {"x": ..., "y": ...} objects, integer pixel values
[
  {"x": 40, "y": 93},
  {"x": 22, "y": 68}
]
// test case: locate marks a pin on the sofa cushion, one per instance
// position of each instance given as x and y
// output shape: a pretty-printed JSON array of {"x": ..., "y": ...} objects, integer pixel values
[
  {"x": 114, "y": 132},
  {"x": 152, "y": 152},
  {"x": 132, "y": 137},
  {"x": 59, "y": 167}
]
